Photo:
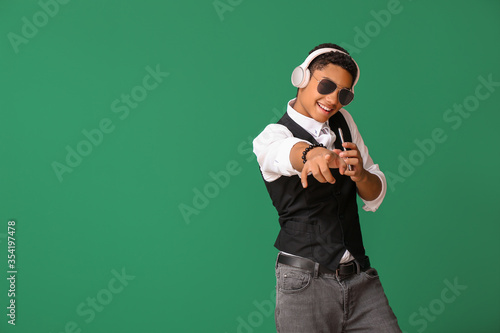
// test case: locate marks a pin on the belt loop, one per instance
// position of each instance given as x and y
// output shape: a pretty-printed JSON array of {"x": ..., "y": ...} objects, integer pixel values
[
  {"x": 316, "y": 270},
  {"x": 277, "y": 258},
  {"x": 358, "y": 269}
]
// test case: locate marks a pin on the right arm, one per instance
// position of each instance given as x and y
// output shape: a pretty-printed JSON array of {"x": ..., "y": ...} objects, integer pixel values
[
  {"x": 319, "y": 160},
  {"x": 279, "y": 153}
]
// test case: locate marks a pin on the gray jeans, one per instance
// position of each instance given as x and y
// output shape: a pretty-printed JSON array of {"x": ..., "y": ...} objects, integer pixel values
[{"x": 330, "y": 304}]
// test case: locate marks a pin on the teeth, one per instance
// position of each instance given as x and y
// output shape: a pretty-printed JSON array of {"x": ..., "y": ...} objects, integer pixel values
[{"x": 324, "y": 107}]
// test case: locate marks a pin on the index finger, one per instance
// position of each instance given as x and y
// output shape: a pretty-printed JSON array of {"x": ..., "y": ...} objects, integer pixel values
[
  {"x": 350, "y": 145},
  {"x": 303, "y": 175}
]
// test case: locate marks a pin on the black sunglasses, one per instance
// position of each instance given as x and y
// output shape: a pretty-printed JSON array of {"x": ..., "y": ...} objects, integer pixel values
[{"x": 327, "y": 86}]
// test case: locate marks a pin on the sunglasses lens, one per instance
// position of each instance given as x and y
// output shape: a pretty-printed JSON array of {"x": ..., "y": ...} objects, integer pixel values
[
  {"x": 345, "y": 96},
  {"x": 326, "y": 87}
]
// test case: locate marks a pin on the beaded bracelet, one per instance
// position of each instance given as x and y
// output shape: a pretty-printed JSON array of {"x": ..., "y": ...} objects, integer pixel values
[{"x": 308, "y": 149}]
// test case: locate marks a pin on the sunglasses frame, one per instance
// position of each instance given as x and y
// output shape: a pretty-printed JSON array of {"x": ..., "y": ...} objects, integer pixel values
[{"x": 336, "y": 88}]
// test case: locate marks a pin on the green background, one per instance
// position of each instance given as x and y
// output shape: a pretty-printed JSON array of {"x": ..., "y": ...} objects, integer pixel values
[{"x": 229, "y": 76}]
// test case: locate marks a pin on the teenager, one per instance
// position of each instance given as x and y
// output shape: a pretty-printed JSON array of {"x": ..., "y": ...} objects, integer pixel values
[{"x": 314, "y": 164}]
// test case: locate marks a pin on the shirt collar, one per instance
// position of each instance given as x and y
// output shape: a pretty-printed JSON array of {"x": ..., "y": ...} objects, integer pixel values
[{"x": 309, "y": 124}]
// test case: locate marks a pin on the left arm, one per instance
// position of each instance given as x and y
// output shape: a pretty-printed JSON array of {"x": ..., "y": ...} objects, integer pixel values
[{"x": 369, "y": 185}]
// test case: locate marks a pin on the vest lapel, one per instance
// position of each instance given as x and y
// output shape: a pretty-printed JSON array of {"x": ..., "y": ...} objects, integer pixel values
[{"x": 296, "y": 129}]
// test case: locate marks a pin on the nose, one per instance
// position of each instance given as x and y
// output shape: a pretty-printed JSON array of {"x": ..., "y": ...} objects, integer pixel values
[{"x": 333, "y": 98}]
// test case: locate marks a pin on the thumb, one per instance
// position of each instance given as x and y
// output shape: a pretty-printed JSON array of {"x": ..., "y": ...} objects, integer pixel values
[
  {"x": 333, "y": 161},
  {"x": 336, "y": 161}
]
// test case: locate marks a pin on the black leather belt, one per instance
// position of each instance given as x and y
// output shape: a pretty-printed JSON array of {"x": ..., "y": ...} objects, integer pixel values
[{"x": 343, "y": 270}]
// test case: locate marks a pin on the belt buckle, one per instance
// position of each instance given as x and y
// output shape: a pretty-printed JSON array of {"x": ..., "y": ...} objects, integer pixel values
[
  {"x": 351, "y": 263},
  {"x": 337, "y": 271}
]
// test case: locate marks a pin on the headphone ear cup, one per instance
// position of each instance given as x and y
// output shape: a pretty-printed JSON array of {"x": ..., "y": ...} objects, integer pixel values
[
  {"x": 300, "y": 77},
  {"x": 297, "y": 76},
  {"x": 305, "y": 80}
]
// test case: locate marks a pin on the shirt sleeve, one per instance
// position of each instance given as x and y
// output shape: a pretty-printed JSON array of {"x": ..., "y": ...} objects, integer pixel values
[
  {"x": 373, "y": 205},
  {"x": 272, "y": 148}
]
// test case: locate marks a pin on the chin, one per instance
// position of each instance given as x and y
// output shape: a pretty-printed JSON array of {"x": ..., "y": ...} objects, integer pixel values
[{"x": 322, "y": 115}]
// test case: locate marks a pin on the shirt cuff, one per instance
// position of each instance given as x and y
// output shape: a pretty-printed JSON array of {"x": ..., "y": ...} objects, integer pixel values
[
  {"x": 282, "y": 161},
  {"x": 373, "y": 205}
]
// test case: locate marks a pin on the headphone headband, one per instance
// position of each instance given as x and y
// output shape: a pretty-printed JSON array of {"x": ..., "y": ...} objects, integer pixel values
[{"x": 301, "y": 74}]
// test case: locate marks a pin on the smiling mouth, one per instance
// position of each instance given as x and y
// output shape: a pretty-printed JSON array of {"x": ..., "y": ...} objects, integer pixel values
[{"x": 324, "y": 108}]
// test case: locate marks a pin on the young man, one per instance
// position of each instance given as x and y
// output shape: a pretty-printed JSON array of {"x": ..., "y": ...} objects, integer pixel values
[{"x": 314, "y": 162}]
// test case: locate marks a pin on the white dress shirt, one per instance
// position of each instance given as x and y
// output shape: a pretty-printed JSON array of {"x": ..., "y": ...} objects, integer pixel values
[{"x": 272, "y": 148}]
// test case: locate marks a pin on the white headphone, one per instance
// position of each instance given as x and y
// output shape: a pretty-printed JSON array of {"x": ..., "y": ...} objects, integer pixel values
[{"x": 301, "y": 74}]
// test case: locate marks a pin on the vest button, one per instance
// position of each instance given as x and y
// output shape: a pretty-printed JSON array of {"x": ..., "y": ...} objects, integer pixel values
[
  {"x": 341, "y": 216},
  {"x": 337, "y": 193}
]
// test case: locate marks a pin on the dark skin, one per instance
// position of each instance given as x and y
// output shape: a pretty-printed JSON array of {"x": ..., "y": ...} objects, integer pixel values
[{"x": 312, "y": 104}]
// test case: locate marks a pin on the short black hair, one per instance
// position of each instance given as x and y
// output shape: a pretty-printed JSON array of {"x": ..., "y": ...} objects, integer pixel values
[{"x": 336, "y": 58}]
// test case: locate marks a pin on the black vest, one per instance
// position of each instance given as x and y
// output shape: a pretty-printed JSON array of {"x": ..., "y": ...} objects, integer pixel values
[{"x": 321, "y": 221}]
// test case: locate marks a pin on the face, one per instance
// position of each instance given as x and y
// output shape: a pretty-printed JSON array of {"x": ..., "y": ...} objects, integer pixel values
[{"x": 320, "y": 107}]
